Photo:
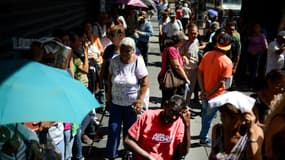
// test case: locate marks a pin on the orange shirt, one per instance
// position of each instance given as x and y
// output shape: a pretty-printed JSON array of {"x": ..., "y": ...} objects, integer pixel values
[{"x": 215, "y": 66}]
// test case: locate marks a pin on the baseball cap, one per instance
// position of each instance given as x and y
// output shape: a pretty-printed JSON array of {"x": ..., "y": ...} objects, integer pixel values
[
  {"x": 282, "y": 34},
  {"x": 224, "y": 41},
  {"x": 178, "y": 36},
  {"x": 172, "y": 14}
]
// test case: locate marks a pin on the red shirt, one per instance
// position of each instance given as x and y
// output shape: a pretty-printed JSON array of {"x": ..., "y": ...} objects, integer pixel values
[
  {"x": 179, "y": 13},
  {"x": 156, "y": 138}
]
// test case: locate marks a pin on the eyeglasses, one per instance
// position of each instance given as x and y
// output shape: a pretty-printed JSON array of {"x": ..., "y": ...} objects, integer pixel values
[{"x": 126, "y": 49}]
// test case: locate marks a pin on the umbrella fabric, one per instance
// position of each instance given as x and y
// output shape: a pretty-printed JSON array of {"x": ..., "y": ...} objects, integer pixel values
[
  {"x": 135, "y": 3},
  {"x": 30, "y": 91},
  {"x": 150, "y": 4},
  {"x": 212, "y": 12}
]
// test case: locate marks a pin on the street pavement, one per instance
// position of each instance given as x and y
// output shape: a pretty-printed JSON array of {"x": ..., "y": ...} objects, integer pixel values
[{"x": 196, "y": 152}]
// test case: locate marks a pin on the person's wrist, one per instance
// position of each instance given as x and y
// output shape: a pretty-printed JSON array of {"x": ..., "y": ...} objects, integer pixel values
[{"x": 252, "y": 140}]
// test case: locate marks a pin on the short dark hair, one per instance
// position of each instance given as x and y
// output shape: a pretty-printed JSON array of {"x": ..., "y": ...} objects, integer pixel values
[{"x": 177, "y": 102}]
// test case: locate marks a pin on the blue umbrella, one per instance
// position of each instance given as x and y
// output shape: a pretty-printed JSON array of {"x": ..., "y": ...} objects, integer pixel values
[
  {"x": 31, "y": 91},
  {"x": 212, "y": 12}
]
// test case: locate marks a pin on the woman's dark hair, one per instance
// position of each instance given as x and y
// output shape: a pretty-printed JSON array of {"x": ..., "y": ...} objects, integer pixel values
[
  {"x": 218, "y": 32},
  {"x": 230, "y": 109},
  {"x": 72, "y": 36}
]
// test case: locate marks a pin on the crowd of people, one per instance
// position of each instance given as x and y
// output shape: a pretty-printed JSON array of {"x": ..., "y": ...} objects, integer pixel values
[{"x": 110, "y": 58}]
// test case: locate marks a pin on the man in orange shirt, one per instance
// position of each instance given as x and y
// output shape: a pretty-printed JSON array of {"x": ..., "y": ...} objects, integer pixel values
[{"x": 214, "y": 69}]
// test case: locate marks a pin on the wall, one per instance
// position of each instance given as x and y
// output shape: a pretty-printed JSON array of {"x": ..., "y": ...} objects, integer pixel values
[{"x": 37, "y": 18}]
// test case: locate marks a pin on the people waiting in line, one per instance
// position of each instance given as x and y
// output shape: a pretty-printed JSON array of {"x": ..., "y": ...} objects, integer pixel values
[
  {"x": 256, "y": 55},
  {"x": 238, "y": 136},
  {"x": 186, "y": 11},
  {"x": 215, "y": 69},
  {"x": 171, "y": 58},
  {"x": 143, "y": 30},
  {"x": 16, "y": 140},
  {"x": 172, "y": 26},
  {"x": 276, "y": 53},
  {"x": 127, "y": 85},
  {"x": 125, "y": 79},
  {"x": 161, "y": 24},
  {"x": 116, "y": 34},
  {"x": 266, "y": 94},
  {"x": 190, "y": 52}
]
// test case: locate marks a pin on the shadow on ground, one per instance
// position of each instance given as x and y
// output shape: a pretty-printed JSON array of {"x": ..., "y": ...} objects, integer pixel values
[{"x": 154, "y": 100}]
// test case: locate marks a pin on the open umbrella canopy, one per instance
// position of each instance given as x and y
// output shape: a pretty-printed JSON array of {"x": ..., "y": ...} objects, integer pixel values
[
  {"x": 135, "y": 3},
  {"x": 31, "y": 92},
  {"x": 212, "y": 12}
]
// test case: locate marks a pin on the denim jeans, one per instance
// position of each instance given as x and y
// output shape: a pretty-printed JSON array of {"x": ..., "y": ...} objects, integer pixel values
[
  {"x": 77, "y": 146},
  {"x": 68, "y": 141},
  {"x": 60, "y": 146},
  {"x": 208, "y": 115},
  {"x": 118, "y": 115}
]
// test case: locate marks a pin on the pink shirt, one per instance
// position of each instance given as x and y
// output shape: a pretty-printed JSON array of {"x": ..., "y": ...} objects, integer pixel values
[
  {"x": 257, "y": 44},
  {"x": 67, "y": 126},
  {"x": 156, "y": 138},
  {"x": 173, "y": 54}
]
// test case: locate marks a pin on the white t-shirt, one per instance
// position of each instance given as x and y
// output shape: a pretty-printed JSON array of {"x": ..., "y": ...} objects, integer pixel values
[
  {"x": 170, "y": 28},
  {"x": 186, "y": 12},
  {"x": 125, "y": 80}
]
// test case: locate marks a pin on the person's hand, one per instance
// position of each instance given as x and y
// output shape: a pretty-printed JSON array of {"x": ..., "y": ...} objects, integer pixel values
[
  {"x": 136, "y": 31},
  {"x": 137, "y": 105},
  {"x": 185, "y": 60},
  {"x": 250, "y": 121},
  {"x": 186, "y": 115},
  {"x": 85, "y": 48},
  {"x": 188, "y": 81},
  {"x": 234, "y": 70}
]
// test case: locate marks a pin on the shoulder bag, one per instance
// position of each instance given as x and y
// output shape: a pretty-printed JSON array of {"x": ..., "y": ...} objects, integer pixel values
[{"x": 171, "y": 79}]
